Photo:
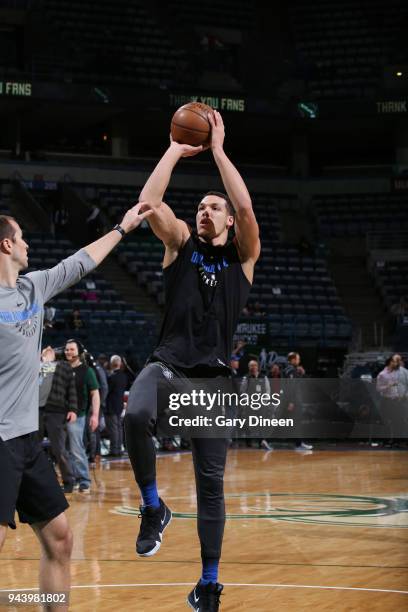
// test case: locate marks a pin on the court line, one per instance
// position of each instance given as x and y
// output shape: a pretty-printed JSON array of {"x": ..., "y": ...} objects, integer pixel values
[
  {"x": 192, "y": 561},
  {"x": 290, "y": 494},
  {"x": 228, "y": 584}
]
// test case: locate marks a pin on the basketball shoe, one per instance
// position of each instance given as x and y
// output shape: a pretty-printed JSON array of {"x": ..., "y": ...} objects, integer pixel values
[
  {"x": 205, "y": 597},
  {"x": 154, "y": 522}
]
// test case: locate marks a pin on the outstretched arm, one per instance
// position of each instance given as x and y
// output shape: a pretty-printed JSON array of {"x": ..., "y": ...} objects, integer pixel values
[
  {"x": 171, "y": 231},
  {"x": 70, "y": 270},
  {"x": 246, "y": 226},
  {"x": 99, "y": 249}
]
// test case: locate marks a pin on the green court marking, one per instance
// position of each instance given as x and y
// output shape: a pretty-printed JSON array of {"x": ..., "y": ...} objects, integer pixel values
[{"x": 313, "y": 508}]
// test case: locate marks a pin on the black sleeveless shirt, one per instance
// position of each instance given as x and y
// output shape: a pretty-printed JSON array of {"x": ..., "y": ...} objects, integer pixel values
[{"x": 205, "y": 292}]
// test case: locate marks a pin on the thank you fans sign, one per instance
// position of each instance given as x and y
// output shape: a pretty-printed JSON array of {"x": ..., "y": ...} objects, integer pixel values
[{"x": 14, "y": 88}]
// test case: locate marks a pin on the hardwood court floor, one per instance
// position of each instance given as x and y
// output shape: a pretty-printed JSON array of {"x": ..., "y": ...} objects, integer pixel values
[{"x": 323, "y": 531}]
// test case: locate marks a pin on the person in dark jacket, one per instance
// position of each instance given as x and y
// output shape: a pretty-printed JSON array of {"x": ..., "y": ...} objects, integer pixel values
[
  {"x": 58, "y": 400},
  {"x": 117, "y": 383},
  {"x": 295, "y": 370}
]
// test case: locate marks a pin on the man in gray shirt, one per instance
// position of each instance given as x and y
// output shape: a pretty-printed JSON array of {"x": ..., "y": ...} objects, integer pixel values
[
  {"x": 402, "y": 377},
  {"x": 27, "y": 479}
]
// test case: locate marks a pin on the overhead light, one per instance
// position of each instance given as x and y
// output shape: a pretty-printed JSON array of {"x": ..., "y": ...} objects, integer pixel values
[
  {"x": 102, "y": 95},
  {"x": 399, "y": 74},
  {"x": 308, "y": 110}
]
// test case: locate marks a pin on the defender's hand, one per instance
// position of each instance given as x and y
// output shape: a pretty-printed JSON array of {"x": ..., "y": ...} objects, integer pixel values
[{"x": 134, "y": 217}]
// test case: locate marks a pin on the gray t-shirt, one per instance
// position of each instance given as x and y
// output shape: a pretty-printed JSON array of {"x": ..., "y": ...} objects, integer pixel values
[{"x": 21, "y": 324}]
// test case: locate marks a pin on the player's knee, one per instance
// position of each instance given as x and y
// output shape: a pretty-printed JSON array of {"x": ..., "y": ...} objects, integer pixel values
[
  {"x": 64, "y": 547},
  {"x": 68, "y": 543},
  {"x": 60, "y": 546},
  {"x": 211, "y": 486}
]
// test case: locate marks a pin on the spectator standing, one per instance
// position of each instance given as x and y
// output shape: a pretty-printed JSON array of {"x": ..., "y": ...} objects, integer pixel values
[
  {"x": 402, "y": 374},
  {"x": 293, "y": 371},
  {"x": 255, "y": 382},
  {"x": 392, "y": 391},
  {"x": 95, "y": 436},
  {"x": 58, "y": 400},
  {"x": 117, "y": 383},
  {"x": 88, "y": 392},
  {"x": 387, "y": 380}
]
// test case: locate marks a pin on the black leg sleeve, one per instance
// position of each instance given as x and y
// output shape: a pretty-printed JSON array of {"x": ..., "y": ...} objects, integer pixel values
[
  {"x": 140, "y": 422},
  {"x": 209, "y": 455}
]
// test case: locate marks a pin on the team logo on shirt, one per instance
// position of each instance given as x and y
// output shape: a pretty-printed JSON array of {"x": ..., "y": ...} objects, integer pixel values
[
  {"x": 208, "y": 271},
  {"x": 25, "y": 321}
]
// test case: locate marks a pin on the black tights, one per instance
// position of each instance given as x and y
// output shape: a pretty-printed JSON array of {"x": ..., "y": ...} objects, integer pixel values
[{"x": 209, "y": 457}]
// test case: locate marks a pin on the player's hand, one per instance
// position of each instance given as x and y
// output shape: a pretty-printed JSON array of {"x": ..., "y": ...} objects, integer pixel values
[
  {"x": 71, "y": 417},
  {"x": 291, "y": 407},
  {"x": 134, "y": 216},
  {"x": 93, "y": 423},
  {"x": 217, "y": 130},
  {"x": 185, "y": 150}
]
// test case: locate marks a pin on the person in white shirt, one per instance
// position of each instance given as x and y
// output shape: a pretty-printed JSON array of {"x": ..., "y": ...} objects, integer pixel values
[{"x": 393, "y": 397}]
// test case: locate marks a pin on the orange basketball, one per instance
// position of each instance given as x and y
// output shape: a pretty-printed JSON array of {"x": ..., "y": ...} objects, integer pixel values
[{"x": 190, "y": 124}]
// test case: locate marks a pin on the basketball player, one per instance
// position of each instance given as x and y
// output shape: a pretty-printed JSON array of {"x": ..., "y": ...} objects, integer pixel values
[
  {"x": 27, "y": 479},
  {"x": 207, "y": 281}
]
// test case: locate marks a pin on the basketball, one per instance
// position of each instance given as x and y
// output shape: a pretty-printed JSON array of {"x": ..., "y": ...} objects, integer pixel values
[{"x": 190, "y": 124}]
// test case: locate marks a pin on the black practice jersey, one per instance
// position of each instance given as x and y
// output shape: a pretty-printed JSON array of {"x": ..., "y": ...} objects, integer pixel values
[{"x": 205, "y": 292}]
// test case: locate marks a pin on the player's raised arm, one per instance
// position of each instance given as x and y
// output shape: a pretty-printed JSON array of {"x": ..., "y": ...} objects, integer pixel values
[
  {"x": 246, "y": 226},
  {"x": 171, "y": 231}
]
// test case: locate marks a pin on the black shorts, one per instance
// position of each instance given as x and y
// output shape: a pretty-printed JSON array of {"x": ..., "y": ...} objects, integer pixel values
[{"x": 28, "y": 482}]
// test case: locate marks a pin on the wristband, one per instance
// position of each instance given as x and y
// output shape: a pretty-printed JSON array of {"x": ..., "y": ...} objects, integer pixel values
[{"x": 120, "y": 229}]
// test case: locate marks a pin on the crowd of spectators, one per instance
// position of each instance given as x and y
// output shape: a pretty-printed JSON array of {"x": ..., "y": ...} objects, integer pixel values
[
  {"x": 264, "y": 374},
  {"x": 82, "y": 402},
  {"x": 392, "y": 385}
]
